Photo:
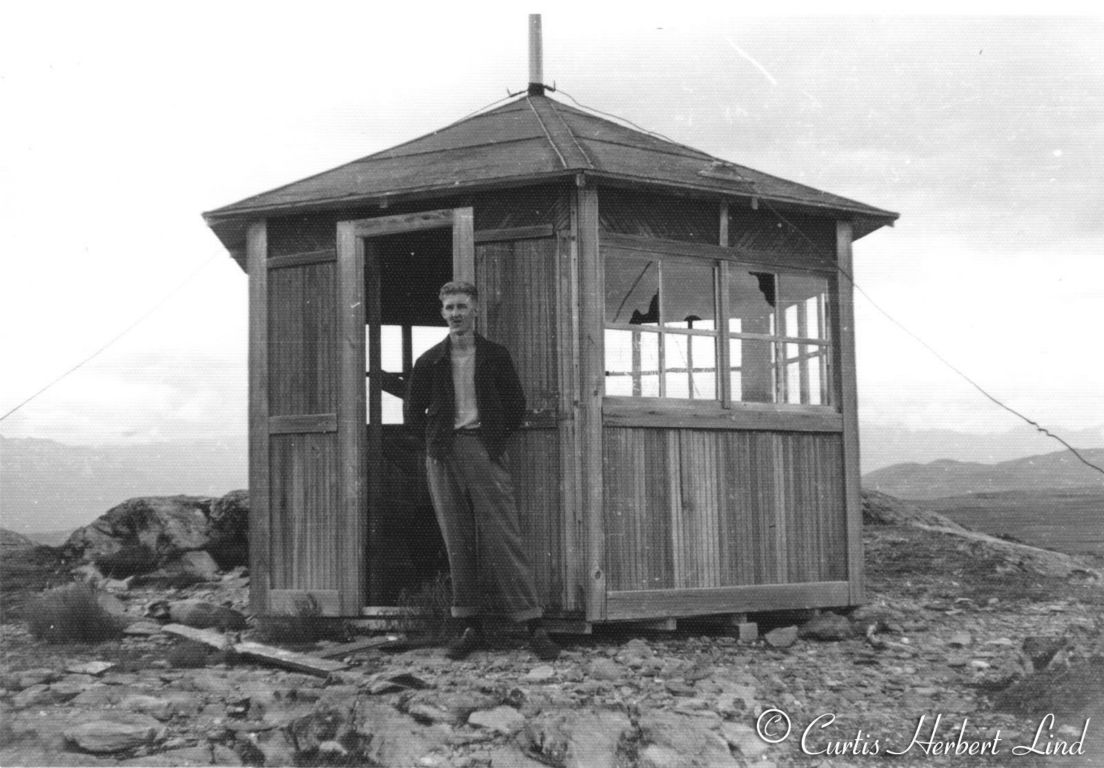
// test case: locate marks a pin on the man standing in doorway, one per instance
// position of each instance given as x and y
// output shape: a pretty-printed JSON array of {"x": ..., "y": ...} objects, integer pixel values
[{"x": 464, "y": 396}]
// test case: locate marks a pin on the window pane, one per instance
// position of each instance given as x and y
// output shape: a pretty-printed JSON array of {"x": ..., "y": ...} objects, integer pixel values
[
  {"x": 691, "y": 366},
  {"x": 793, "y": 367},
  {"x": 751, "y": 298},
  {"x": 688, "y": 295},
  {"x": 391, "y": 348},
  {"x": 632, "y": 290},
  {"x": 392, "y": 409},
  {"x": 806, "y": 381},
  {"x": 818, "y": 394},
  {"x": 752, "y": 374},
  {"x": 803, "y": 302},
  {"x": 422, "y": 337},
  {"x": 632, "y": 363}
]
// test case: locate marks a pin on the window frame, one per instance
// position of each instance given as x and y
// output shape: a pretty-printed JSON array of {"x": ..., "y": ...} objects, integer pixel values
[{"x": 722, "y": 406}]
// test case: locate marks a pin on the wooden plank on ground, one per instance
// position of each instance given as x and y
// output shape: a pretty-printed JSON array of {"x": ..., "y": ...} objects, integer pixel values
[
  {"x": 298, "y": 662},
  {"x": 360, "y": 645}
]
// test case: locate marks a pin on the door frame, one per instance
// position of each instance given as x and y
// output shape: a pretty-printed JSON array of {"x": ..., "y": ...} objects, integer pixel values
[{"x": 359, "y": 321}]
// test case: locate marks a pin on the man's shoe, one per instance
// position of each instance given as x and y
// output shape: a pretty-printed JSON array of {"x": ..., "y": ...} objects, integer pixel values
[
  {"x": 460, "y": 648},
  {"x": 542, "y": 645}
]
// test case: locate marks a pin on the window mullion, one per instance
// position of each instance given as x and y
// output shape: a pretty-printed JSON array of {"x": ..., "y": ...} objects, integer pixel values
[
  {"x": 724, "y": 371},
  {"x": 660, "y": 320},
  {"x": 802, "y": 358}
]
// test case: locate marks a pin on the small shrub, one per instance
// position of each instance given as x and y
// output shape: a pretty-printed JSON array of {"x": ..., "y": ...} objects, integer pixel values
[
  {"x": 188, "y": 655},
  {"x": 304, "y": 625},
  {"x": 71, "y": 614},
  {"x": 430, "y": 610},
  {"x": 128, "y": 561}
]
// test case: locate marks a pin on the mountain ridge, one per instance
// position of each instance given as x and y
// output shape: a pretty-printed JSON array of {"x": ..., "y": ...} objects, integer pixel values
[
  {"x": 948, "y": 477},
  {"x": 47, "y": 486}
]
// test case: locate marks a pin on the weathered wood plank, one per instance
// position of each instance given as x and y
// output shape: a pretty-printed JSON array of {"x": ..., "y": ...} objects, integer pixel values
[
  {"x": 259, "y": 511},
  {"x": 399, "y": 223},
  {"x": 689, "y": 602},
  {"x": 848, "y": 388},
  {"x": 298, "y": 662},
  {"x": 591, "y": 375},
  {"x": 463, "y": 244},
  {"x": 357, "y": 646},
  {"x": 567, "y": 376},
  {"x": 302, "y": 259},
  {"x": 781, "y": 258},
  {"x": 303, "y": 423},
  {"x": 653, "y": 412},
  {"x": 374, "y": 458},
  {"x": 351, "y": 416},
  {"x": 513, "y": 234}
]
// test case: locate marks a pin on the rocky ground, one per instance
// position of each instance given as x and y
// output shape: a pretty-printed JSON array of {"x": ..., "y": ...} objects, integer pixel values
[{"x": 986, "y": 636}]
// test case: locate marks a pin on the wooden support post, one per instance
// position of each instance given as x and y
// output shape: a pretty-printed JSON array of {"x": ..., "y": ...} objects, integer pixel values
[
  {"x": 351, "y": 413},
  {"x": 259, "y": 544},
  {"x": 591, "y": 386},
  {"x": 574, "y": 533},
  {"x": 847, "y": 387}
]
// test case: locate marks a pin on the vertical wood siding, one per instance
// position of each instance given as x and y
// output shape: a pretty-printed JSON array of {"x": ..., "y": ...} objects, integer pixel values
[
  {"x": 690, "y": 509},
  {"x": 517, "y": 284},
  {"x": 302, "y": 350},
  {"x": 306, "y": 521}
]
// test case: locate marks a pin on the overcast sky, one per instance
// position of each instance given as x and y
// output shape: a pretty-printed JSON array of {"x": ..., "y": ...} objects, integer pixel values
[{"x": 123, "y": 122}]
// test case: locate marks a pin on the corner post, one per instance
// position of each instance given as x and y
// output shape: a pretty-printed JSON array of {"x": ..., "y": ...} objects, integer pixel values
[
  {"x": 847, "y": 383},
  {"x": 591, "y": 381},
  {"x": 351, "y": 417},
  {"x": 256, "y": 249}
]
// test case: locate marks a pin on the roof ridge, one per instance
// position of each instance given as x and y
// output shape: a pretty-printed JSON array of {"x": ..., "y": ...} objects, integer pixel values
[
  {"x": 547, "y": 135},
  {"x": 571, "y": 133},
  {"x": 594, "y": 115}
]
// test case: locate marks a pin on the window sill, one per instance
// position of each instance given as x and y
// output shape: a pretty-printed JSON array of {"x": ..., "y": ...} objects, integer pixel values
[{"x": 688, "y": 414}]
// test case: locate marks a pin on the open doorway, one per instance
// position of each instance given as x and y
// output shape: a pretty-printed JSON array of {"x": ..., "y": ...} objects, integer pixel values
[{"x": 403, "y": 273}]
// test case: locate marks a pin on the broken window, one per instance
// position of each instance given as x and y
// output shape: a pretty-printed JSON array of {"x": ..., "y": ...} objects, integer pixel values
[
  {"x": 661, "y": 329},
  {"x": 673, "y": 323}
]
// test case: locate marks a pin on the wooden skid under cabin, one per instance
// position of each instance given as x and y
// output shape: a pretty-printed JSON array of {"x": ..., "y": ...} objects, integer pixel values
[{"x": 682, "y": 327}]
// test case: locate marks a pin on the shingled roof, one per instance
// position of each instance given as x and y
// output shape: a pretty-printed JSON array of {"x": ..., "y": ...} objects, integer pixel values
[{"x": 530, "y": 140}]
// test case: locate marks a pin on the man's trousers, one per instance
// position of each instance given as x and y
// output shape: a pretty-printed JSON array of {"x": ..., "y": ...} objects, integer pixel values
[{"x": 473, "y": 497}]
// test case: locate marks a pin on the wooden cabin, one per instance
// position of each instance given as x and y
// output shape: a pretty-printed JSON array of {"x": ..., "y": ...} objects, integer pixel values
[{"x": 683, "y": 327}]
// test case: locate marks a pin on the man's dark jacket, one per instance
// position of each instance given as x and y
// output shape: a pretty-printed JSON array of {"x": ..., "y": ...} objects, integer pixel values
[{"x": 430, "y": 405}]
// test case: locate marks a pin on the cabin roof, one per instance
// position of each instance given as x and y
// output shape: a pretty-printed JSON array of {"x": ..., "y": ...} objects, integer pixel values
[{"x": 528, "y": 140}]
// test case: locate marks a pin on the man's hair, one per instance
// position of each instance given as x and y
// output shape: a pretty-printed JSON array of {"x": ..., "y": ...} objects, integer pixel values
[{"x": 458, "y": 286}]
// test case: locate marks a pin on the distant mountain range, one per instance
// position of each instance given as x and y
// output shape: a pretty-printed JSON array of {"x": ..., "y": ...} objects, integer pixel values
[
  {"x": 945, "y": 477},
  {"x": 885, "y": 445},
  {"x": 47, "y": 486}
]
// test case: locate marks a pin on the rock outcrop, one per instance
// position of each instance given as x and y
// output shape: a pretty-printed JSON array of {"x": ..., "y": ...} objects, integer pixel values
[
  {"x": 10, "y": 541},
  {"x": 163, "y": 533}
]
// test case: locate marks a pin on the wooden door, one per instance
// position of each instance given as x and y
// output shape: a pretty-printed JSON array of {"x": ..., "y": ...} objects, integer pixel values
[
  {"x": 361, "y": 278},
  {"x": 306, "y": 431}
]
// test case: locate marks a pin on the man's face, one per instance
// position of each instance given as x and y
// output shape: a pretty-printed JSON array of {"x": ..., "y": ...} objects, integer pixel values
[{"x": 459, "y": 310}]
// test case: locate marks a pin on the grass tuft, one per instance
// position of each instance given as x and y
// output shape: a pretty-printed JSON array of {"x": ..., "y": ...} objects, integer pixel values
[
  {"x": 188, "y": 655},
  {"x": 429, "y": 609},
  {"x": 304, "y": 625},
  {"x": 71, "y": 614}
]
